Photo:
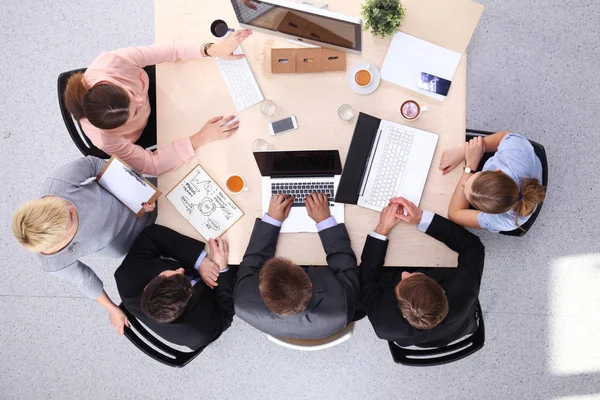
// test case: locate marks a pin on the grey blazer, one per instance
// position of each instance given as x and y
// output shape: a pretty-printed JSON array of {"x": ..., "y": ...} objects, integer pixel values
[{"x": 335, "y": 290}]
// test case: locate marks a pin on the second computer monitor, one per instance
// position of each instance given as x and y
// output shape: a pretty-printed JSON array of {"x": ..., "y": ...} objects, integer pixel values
[{"x": 301, "y": 22}]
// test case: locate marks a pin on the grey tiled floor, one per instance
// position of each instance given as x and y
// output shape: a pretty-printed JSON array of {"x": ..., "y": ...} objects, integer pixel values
[{"x": 533, "y": 69}]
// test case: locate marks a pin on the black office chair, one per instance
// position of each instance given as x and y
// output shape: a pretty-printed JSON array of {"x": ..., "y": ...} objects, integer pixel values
[
  {"x": 427, "y": 357},
  {"x": 138, "y": 335},
  {"x": 541, "y": 153},
  {"x": 83, "y": 143}
]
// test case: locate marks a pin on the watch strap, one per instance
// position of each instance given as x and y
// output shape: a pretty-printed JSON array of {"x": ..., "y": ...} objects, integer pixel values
[{"x": 205, "y": 48}]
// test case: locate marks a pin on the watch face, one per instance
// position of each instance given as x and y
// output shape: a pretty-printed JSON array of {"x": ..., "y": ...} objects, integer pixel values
[{"x": 467, "y": 170}]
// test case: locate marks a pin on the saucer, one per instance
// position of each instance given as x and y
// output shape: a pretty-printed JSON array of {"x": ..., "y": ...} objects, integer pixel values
[{"x": 375, "y": 74}]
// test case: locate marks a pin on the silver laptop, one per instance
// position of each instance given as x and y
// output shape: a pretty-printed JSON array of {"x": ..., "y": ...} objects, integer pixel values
[
  {"x": 299, "y": 173},
  {"x": 398, "y": 165}
]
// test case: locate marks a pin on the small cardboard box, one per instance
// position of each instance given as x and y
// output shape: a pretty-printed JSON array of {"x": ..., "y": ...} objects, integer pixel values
[
  {"x": 308, "y": 60},
  {"x": 333, "y": 60},
  {"x": 289, "y": 61},
  {"x": 283, "y": 61}
]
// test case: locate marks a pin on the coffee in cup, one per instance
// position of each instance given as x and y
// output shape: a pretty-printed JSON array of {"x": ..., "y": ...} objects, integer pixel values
[
  {"x": 363, "y": 77},
  {"x": 235, "y": 184},
  {"x": 410, "y": 110}
]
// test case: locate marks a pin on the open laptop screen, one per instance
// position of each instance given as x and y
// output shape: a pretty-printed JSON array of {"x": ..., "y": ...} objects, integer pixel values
[{"x": 299, "y": 163}]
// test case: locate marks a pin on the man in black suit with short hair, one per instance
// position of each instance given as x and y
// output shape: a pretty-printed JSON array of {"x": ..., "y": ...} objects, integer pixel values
[
  {"x": 186, "y": 298},
  {"x": 429, "y": 307}
]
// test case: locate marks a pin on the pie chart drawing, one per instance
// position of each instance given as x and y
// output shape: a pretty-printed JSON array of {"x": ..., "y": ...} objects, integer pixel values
[{"x": 207, "y": 207}]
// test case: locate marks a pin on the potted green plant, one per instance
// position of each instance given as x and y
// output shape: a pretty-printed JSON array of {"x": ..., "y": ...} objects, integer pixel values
[{"x": 383, "y": 17}]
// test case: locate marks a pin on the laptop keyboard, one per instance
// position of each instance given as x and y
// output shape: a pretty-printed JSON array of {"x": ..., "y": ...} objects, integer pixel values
[
  {"x": 392, "y": 165},
  {"x": 302, "y": 189}
]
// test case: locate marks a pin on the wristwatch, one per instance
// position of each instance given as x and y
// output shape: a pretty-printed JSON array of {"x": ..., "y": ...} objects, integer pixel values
[
  {"x": 469, "y": 170},
  {"x": 205, "y": 49}
]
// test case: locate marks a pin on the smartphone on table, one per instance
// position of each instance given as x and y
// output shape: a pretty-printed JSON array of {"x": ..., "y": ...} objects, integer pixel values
[
  {"x": 434, "y": 84},
  {"x": 283, "y": 125}
]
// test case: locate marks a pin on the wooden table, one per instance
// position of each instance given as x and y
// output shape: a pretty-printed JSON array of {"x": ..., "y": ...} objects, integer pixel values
[{"x": 189, "y": 93}]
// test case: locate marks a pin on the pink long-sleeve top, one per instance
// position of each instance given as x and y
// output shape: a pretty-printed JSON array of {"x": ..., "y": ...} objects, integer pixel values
[{"x": 124, "y": 68}]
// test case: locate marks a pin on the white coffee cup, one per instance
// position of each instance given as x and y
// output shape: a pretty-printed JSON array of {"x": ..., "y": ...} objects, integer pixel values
[
  {"x": 411, "y": 110},
  {"x": 235, "y": 184}
]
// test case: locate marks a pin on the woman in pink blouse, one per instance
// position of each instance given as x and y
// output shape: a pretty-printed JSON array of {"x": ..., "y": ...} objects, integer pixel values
[{"x": 110, "y": 101}]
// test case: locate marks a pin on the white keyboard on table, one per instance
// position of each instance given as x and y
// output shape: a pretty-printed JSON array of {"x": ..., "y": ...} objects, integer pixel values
[{"x": 240, "y": 81}]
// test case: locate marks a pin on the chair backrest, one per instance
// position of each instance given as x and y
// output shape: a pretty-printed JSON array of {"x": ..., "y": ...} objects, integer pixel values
[
  {"x": 161, "y": 352},
  {"x": 427, "y": 357},
  {"x": 540, "y": 151},
  {"x": 315, "y": 344},
  {"x": 83, "y": 143}
]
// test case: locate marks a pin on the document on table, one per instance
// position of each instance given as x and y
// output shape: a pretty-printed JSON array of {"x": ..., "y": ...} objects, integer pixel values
[
  {"x": 127, "y": 185},
  {"x": 408, "y": 56},
  {"x": 204, "y": 204}
]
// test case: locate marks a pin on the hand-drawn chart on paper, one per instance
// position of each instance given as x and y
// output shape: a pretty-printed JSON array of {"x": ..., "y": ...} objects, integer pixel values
[{"x": 204, "y": 204}]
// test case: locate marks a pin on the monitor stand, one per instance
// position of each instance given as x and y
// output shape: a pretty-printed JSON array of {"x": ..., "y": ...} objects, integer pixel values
[{"x": 312, "y": 3}]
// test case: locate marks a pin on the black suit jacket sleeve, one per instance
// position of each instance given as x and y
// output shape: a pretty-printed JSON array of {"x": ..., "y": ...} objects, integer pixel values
[
  {"x": 371, "y": 270},
  {"x": 471, "y": 252},
  {"x": 224, "y": 298},
  {"x": 261, "y": 248},
  {"x": 154, "y": 242},
  {"x": 342, "y": 260}
]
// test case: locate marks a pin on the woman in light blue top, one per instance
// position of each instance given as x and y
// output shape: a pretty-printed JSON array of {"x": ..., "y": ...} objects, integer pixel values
[{"x": 507, "y": 190}]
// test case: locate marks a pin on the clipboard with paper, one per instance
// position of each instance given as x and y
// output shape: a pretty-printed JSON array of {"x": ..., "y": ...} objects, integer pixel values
[{"x": 127, "y": 185}]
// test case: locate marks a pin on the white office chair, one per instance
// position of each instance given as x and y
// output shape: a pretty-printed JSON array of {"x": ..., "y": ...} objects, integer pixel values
[{"x": 315, "y": 344}]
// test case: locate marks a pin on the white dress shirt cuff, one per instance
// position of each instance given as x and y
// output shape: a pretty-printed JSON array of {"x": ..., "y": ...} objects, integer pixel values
[
  {"x": 201, "y": 258},
  {"x": 326, "y": 223},
  {"x": 425, "y": 221},
  {"x": 378, "y": 236},
  {"x": 270, "y": 220}
]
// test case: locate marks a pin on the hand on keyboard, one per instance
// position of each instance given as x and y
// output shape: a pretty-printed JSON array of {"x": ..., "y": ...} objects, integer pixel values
[
  {"x": 280, "y": 206},
  {"x": 224, "y": 48},
  {"x": 216, "y": 128},
  {"x": 317, "y": 206}
]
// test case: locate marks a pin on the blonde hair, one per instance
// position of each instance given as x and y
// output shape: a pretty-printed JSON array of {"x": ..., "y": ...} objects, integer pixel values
[
  {"x": 494, "y": 192},
  {"x": 40, "y": 224}
]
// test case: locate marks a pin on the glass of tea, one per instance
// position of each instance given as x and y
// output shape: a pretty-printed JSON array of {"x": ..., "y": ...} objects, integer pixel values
[{"x": 235, "y": 184}]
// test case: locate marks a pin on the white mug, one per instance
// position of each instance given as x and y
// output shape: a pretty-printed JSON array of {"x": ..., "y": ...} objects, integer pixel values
[
  {"x": 235, "y": 177},
  {"x": 410, "y": 105}
]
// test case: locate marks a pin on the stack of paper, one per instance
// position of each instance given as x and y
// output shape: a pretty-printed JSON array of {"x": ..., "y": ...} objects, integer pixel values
[{"x": 432, "y": 39}]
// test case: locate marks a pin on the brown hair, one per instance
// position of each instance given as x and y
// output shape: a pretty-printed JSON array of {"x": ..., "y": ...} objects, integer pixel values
[
  {"x": 165, "y": 298},
  {"x": 422, "y": 301},
  {"x": 105, "y": 105},
  {"x": 494, "y": 192},
  {"x": 40, "y": 224},
  {"x": 284, "y": 286}
]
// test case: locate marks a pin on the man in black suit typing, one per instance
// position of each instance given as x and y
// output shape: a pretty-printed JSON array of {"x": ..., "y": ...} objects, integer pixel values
[
  {"x": 283, "y": 299},
  {"x": 430, "y": 307},
  {"x": 186, "y": 298}
]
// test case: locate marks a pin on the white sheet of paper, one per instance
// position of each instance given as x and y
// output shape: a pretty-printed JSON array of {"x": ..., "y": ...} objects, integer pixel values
[
  {"x": 126, "y": 186},
  {"x": 202, "y": 202},
  {"x": 408, "y": 56}
]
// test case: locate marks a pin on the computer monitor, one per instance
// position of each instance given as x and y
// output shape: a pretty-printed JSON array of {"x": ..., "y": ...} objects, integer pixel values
[{"x": 301, "y": 22}]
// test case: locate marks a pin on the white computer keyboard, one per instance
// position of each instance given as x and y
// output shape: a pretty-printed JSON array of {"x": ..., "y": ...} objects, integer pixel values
[
  {"x": 240, "y": 81},
  {"x": 391, "y": 167}
]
